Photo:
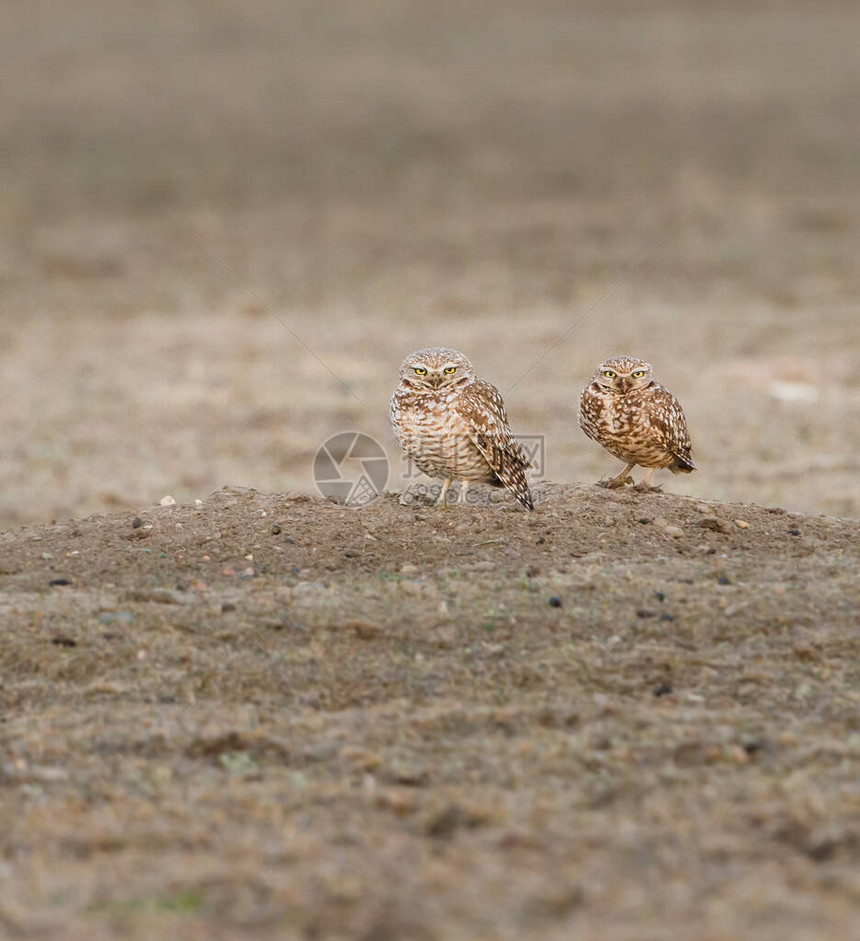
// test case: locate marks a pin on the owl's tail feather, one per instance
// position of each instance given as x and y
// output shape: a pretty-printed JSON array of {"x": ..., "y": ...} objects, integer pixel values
[
  {"x": 514, "y": 479},
  {"x": 524, "y": 497},
  {"x": 509, "y": 466},
  {"x": 682, "y": 465}
]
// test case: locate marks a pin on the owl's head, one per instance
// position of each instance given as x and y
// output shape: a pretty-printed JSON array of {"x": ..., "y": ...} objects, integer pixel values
[
  {"x": 435, "y": 368},
  {"x": 623, "y": 374}
]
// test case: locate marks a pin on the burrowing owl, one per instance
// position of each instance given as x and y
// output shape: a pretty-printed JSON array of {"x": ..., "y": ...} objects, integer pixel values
[
  {"x": 636, "y": 420},
  {"x": 454, "y": 425}
]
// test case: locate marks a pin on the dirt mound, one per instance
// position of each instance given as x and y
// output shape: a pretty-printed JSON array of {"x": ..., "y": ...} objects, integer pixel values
[{"x": 275, "y": 712}]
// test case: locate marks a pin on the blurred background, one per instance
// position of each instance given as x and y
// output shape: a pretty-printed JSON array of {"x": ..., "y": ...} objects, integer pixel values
[{"x": 392, "y": 174}]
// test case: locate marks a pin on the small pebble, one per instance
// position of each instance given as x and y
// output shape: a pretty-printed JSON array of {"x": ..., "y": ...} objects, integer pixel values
[
  {"x": 276, "y": 530},
  {"x": 660, "y": 596},
  {"x": 555, "y": 602},
  {"x": 228, "y": 606},
  {"x": 714, "y": 523},
  {"x": 360, "y": 757},
  {"x": 794, "y": 532},
  {"x": 48, "y": 775},
  {"x": 137, "y": 522},
  {"x": 667, "y": 617},
  {"x": 364, "y": 630},
  {"x": 724, "y": 580},
  {"x": 398, "y": 803},
  {"x": 443, "y": 824},
  {"x": 64, "y": 642},
  {"x": 406, "y": 771},
  {"x": 644, "y": 613},
  {"x": 111, "y": 617},
  {"x": 668, "y": 528},
  {"x": 59, "y": 581},
  {"x": 805, "y": 652},
  {"x": 662, "y": 690},
  {"x": 742, "y": 524},
  {"x": 168, "y": 501},
  {"x": 157, "y": 595}
]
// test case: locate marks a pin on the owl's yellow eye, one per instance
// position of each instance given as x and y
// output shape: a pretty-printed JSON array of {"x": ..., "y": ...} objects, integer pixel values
[
  {"x": 638, "y": 374},
  {"x": 609, "y": 374},
  {"x": 420, "y": 371},
  {"x": 449, "y": 369}
]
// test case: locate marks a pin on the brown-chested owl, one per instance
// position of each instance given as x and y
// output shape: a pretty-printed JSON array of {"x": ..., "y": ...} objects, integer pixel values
[
  {"x": 454, "y": 425},
  {"x": 638, "y": 421}
]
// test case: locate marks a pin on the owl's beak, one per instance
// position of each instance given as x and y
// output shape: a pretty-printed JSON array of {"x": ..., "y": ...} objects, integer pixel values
[
  {"x": 625, "y": 384},
  {"x": 435, "y": 380}
]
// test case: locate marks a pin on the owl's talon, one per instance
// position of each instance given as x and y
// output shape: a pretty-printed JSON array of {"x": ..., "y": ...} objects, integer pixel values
[
  {"x": 443, "y": 493},
  {"x": 615, "y": 483},
  {"x": 647, "y": 488}
]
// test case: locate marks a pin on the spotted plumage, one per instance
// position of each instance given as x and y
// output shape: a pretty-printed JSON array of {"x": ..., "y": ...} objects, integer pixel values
[
  {"x": 637, "y": 420},
  {"x": 454, "y": 425}
]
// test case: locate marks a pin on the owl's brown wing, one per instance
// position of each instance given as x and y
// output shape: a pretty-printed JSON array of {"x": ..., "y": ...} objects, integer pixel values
[
  {"x": 483, "y": 409},
  {"x": 668, "y": 419},
  {"x": 590, "y": 411}
]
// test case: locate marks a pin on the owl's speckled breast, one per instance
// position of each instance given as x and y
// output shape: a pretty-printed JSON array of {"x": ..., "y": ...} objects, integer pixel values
[
  {"x": 437, "y": 438},
  {"x": 622, "y": 424}
]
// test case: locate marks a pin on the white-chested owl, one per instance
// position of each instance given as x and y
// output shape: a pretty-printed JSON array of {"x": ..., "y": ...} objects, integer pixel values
[
  {"x": 454, "y": 425},
  {"x": 638, "y": 421}
]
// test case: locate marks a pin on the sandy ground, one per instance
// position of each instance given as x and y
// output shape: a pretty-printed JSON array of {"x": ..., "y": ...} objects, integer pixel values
[
  {"x": 413, "y": 742},
  {"x": 619, "y": 716}
]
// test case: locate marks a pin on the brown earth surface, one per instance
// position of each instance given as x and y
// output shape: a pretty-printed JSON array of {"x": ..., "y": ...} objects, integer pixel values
[
  {"x": 620, "y": 716},
  {"x": 412, "y": 742}
]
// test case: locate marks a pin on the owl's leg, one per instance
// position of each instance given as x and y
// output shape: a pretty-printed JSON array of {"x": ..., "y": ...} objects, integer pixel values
[
  {"x": 615, "y": 482},
  {"x": 645, "y": 485},
  {"x": 464, "y": 490},
  {"x": 443, "y": 496}
]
